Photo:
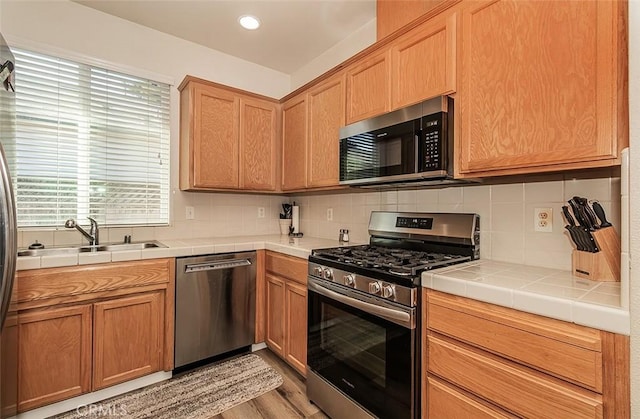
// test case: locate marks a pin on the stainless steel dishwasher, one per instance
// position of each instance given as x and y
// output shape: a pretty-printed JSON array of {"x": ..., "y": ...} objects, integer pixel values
[{"x": 215, "y": 305}]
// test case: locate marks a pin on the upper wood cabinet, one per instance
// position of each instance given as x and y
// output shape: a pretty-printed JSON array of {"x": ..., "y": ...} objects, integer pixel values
[
  {"x": 368, "y": 87},
  {"x": 227, "y": 138},
  {"x": 294, "y": 143},
  {"x": 541, "y": 86},
  {"x": 258, "y": 145},
  {"x": 326, "y": 116},
  {"x": 392, "y": 15},
  {"x": 423, "y": 62}
]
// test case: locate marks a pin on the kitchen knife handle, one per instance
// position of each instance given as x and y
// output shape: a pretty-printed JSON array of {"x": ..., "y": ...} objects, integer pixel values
[
  {"x": 567, "y": 216},
  {"x": 588, "y": 212},
  {"x": 600, "y": 213},
  {"x": 576, "y": 213}
]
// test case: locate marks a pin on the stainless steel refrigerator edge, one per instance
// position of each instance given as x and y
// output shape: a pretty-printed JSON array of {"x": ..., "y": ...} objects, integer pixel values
[
  {"x": 8, "y": 245},
  {"x": 215, "y": 305}
]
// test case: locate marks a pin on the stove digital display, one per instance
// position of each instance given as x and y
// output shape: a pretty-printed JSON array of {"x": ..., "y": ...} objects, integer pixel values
[{"x": 407, "y": 222}]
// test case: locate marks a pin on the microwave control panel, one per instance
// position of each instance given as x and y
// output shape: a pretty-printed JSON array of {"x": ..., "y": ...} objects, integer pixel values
[{"x": 433, "y": 138}]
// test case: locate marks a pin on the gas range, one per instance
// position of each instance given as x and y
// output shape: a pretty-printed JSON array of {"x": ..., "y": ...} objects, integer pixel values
[
  {"x": 363, "y": 334},
  {"x": 402, "y": 246}
]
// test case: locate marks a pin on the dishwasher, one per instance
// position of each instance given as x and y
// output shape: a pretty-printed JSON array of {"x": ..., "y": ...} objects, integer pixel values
[{"x": 215, "y": 305}]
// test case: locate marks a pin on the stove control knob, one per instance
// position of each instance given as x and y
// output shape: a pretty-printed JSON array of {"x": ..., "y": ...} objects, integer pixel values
[
  {"x": 374, "y": 287},
  {"x": 328, "y": 274},
  {"x": 349, "y": 280},
  {"x": 387, "y": 291},
  {"x": 317, "y": 271}
]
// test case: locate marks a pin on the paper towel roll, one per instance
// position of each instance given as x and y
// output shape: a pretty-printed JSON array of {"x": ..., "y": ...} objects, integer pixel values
[{"x": 295, "y": 218}]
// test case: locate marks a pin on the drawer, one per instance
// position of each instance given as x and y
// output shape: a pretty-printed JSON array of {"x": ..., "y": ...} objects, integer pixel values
[
  {"x": 287, "y": 266},
  {"x": 517, "y": 389},
  {"x": 444, "y": 401},
  {"x": 565, "y": 350},
  {"x": 60, "y": 285}
]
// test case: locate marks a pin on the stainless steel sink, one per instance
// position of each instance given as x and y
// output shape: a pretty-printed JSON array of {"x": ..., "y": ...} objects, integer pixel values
[
  {"x": 129, "y": 246},
  {"x": 61, "y": 251}
]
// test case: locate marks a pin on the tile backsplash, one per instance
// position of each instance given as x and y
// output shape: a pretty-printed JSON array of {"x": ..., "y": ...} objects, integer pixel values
[
  {"x": 506, "y": 215},
  {"x": 216, "y": 215},
  {"x": 506, "y": 212}
]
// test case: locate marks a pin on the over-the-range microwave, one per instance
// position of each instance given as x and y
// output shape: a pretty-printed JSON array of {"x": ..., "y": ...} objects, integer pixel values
[{"x": 412, "y": 146}]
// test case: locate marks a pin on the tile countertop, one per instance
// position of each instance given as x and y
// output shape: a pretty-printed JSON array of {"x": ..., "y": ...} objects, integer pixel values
[
  {"x": 298, "y": 247},
  {"x": 548, "y": 292}
]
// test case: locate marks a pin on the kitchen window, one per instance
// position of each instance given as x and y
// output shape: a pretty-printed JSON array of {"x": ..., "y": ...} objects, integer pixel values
[{"x": 90, "y": 142}]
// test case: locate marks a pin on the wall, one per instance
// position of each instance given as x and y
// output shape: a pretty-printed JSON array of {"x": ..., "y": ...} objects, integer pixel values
[
  {"x": 506, "y": 212},
  {"x": 634, "y": 124},
  {"x": 69, "y": 29},
  {"x": 348, "y": 47}
]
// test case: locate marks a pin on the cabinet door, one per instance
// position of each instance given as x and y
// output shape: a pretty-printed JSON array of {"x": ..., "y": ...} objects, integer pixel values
[
  {"x": 423, "y": 62},
  {"x": 275, "y": 299},
  {"x": 258, "y": 132},
  {"x": 54, "y": 355},
  {"x": 296, "y": 326},
  {"x": 368, "y": 88},
  {"x": 326, "y": 116},
  {"x": 215, "y": 138},
  {"x": 538, "y": 85},
  {"x": 294, "y": 144},
  {"x": 128, "y": 338}
]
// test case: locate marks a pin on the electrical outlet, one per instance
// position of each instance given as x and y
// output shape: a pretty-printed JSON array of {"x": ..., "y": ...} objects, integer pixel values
[
  {"x": 260, "y": 212},
  {"x": 190, "y": 213},
  {"x": 329, "y": 214},
  {"x": 543, "y": 220}
]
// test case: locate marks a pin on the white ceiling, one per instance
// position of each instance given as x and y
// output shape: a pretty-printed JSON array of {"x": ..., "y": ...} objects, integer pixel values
[{"x": 293, "y": 32}]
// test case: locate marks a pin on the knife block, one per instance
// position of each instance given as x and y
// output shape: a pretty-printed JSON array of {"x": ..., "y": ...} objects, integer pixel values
[{"x": 603, "y": 265}]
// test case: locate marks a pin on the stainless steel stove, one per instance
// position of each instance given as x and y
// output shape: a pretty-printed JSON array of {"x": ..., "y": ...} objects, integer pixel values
[{"x": 363, "y": 340}]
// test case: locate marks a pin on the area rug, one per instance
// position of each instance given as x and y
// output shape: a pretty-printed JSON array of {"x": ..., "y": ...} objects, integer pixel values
[{"x": 199, "y": 394}]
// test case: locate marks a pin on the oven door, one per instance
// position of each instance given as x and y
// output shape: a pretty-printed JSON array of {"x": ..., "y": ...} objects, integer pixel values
[
  {"x": 365, "y": 350},
  {"x": 387, "y": 153}
]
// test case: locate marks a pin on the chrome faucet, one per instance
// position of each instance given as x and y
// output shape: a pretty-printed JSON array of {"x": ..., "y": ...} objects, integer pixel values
[{"x": 92, "y": 235}]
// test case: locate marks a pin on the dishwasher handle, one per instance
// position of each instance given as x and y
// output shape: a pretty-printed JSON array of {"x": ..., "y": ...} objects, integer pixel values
[{"x": 216, "y": 265}]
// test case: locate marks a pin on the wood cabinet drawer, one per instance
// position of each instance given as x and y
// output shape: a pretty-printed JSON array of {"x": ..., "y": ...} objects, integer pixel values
[
  {"x": 444, "y": 401},
  {"x": 518, "y": 389},
  {"x": 564, "y": 350},
  {"x": 58, "y": 285},
  {"x": 287, "y": 266}
]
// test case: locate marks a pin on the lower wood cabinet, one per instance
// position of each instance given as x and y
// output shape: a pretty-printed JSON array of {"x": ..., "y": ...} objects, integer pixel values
[
  {"x": 446, "y": 401},
  {"x": 286, "y": 309},
  {"x": 54, "y": 355},
  {"x": 483, "y": 360},
  {"x": 113, "y": 328},
  {"x": 127, "y": 338}
]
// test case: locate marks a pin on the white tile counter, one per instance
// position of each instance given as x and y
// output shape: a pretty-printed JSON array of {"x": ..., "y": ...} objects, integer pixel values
[
  {"x": 299, "y": 247},
  {"x": 548, "y": 292}
]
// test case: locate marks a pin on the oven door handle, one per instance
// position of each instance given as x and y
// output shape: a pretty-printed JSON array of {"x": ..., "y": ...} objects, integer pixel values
[{"x": 395, "y": 316}]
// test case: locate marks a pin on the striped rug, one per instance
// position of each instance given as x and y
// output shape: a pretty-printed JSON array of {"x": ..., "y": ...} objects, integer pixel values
[{"x": 198, "y": 394}]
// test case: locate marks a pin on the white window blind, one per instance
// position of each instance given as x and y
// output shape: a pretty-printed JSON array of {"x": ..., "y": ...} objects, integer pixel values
[{"x": 90, "y": 142}]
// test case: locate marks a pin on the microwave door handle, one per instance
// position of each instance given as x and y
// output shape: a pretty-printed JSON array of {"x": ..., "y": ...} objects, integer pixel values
[{"x": 417, "y": 152}]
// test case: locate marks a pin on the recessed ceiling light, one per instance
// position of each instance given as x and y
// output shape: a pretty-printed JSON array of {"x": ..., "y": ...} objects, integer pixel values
[{"x": 249, "y": 22}]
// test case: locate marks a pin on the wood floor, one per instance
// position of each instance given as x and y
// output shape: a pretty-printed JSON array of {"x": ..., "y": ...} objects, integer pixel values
[{"x": 287, "y": 401}]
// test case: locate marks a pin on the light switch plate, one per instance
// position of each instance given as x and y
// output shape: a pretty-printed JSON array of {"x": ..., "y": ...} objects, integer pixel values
[{"x": 190, "y": 213}]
